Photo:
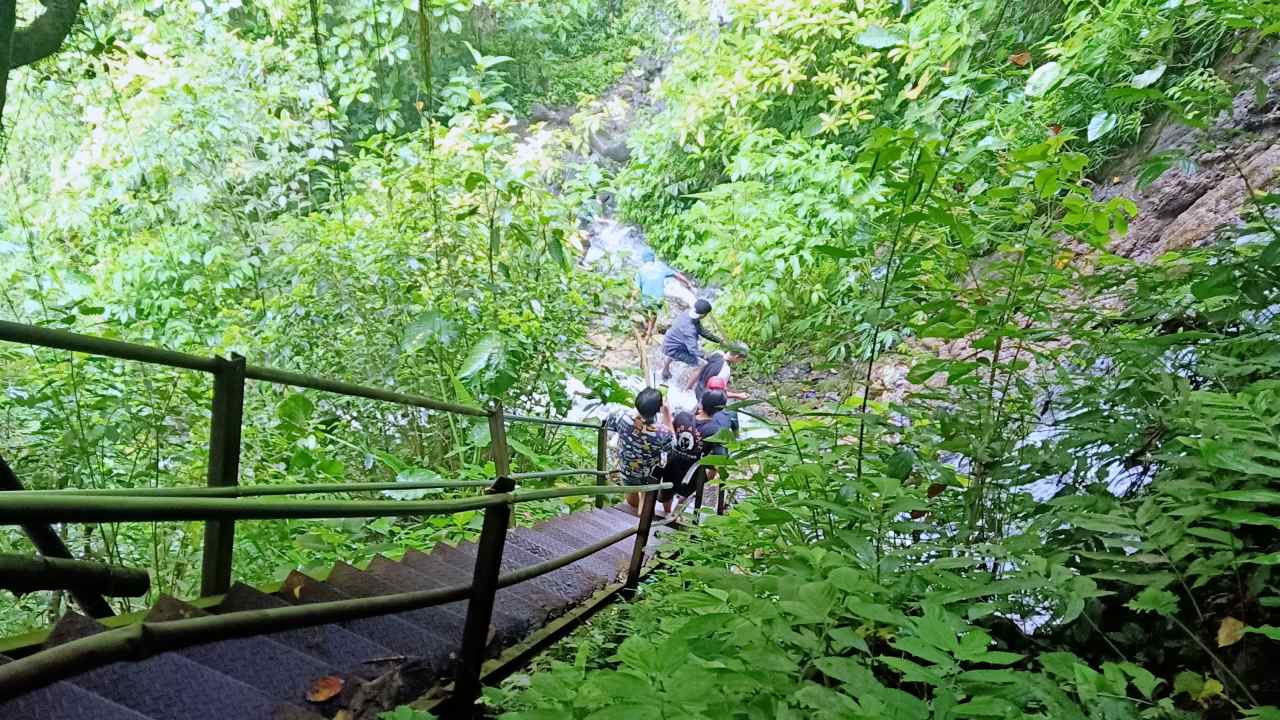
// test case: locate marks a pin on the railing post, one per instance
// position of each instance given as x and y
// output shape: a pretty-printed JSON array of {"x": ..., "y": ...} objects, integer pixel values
[
  {"x": 223, "y": 470},
  {"x": 484, "y": 583},
  {"x": 602, "y": 459},
  {"x": 697, "y": 495},
  {"x": 50, "y": 544},
  {"x": 642, "y": 540}
]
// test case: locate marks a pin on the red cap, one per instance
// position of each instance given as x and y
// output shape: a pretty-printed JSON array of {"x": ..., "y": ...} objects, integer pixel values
[{"x": 717, "y": 383}]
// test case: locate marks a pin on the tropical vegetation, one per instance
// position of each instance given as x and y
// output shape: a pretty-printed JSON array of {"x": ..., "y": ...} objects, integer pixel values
[{"x": 1040, "y": 480}]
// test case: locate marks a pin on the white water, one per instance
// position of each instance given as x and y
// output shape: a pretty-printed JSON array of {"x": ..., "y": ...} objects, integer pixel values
[{"x": 617, "y": 249}]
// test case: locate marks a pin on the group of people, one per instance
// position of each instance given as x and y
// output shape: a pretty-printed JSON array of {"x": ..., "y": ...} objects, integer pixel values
[{"x": 655, "y": 443}]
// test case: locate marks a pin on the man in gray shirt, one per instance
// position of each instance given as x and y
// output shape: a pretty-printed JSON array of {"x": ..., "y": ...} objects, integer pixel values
[{"x": 683, "y": 341}]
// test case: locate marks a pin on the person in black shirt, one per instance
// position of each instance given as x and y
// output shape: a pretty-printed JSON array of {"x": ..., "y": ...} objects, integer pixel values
[
  {"x": 683, "y": 454},
  {"x": 716, "y": 372},
  {"x": 711, "y": 419}
]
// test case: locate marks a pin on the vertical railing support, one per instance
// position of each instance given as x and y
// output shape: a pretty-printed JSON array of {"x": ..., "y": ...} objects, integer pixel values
[
  {"x": 642, "y": 540},
  {"x": 602, "y": 459},
  {"x": 484, "y": 583},
  {"x": 698, "y": 493},
  {"x": 223, "y": 470},
  {"x": 720, "y": 497},
  {"x": 50, "y": 544}
]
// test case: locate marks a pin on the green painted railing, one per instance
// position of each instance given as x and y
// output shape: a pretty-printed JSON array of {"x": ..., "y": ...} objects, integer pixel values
[{"x": 223, "y": 501}]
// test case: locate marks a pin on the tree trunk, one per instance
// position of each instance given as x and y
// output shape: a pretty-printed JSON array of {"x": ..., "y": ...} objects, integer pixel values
[{"x": 36, "y": 41}]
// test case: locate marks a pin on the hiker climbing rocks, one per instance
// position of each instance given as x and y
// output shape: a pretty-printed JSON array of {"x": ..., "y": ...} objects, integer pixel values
[
  {"x": 651, "y": 278},
  {"x": 718, "y": 368},
  {"x": 683, "y": 341},
  {"x": 643, "y": 439}
]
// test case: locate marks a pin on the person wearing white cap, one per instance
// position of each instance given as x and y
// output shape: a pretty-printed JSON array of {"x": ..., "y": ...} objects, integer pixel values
[{"x": 683, "y": 341}]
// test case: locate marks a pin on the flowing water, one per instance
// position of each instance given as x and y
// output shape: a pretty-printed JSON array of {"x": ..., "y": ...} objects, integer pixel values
[{"x": 617, "y": 249}]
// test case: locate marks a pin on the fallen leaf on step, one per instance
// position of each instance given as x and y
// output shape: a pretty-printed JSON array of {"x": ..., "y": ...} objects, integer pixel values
[
  {"x": 344, "y": 715},
  {"x": 325, "y": 688},
  {"x": 1230, "y": 631},
  {"x": 1020, "y": 59}
]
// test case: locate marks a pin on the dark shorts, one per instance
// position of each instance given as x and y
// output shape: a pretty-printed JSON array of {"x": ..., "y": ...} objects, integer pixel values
[
  {"x": 683, "y": 486},
  {"x": 642, "y": 480},
  {"x": 652, "y": 306},
  {"x": 682, "y": 355}
]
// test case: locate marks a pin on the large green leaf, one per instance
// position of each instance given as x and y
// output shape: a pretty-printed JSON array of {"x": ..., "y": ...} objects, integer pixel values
[
  {"x": 429, "y": 328},
  {"x": 1100, "y": 124},
  {"x": 486, "y": 365},
  {"x": 1148, "y": 78},
  {"x": 1043, "y": 79},
  {"x": 296, "y": 409},
  {"x": 879, "y": 38}
]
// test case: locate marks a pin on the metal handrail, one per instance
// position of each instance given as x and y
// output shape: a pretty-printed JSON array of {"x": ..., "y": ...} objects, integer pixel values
[
  {"x": 143, "y": 640},
  {"x": 544, "y": 474},
  {"x": 238, "y": 491},
  {"x": 66, "y": 340},
  {"x": 119, "y": 349},
  {"x": 285, "y": 377},
  {"x": 222, "y": 503},
  {"x": 27, "y": 507},
  {"x": 551, "y": 421}
]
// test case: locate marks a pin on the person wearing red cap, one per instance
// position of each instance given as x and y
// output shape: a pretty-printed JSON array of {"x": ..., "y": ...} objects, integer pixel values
[{"x": 714, "y": 375}]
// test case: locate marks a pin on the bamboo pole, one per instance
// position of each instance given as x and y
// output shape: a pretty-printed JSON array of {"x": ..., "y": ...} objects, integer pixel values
[
  {"x": 20, "y": 574},
  {"x": 75, "y": 342},
  {"x": 89, "y": 344},
  {"x": 284, "y": 377},
  {"x": 541, "y": 474},
  {"x": 24, "y": 508},
  {"x": 138, "y": 642},
  {"x": 50, "y": 544},
  {"x": 240, "y": 491},
  {"x": 93, "y": 509}
]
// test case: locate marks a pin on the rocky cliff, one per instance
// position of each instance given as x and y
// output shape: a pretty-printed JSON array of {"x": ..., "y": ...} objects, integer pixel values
[{"x": 1192, "y": 200}]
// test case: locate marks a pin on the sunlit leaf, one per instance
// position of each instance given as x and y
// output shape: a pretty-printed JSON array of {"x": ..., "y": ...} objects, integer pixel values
[
  {"x": 1148, "y": 78},
  {"x": 1043, "y": 79}
]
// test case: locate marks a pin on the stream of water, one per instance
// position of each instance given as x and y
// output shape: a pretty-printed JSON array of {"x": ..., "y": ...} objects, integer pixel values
[{"x": 617, "y": 249}]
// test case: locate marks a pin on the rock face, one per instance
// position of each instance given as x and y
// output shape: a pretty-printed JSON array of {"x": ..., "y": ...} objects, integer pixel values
[{"x": 1184, "y": 209}]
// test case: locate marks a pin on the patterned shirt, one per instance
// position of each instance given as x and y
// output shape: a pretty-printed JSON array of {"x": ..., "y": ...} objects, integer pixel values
[{"x": 642, "y": 447}]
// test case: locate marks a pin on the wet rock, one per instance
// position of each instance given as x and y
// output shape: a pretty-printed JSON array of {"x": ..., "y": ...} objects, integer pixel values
[
  {"x": 556, "y": 116},
  {"x": 615, "y": 151},
  {"x": 1186, "y": 206},
  {"x": 794, "y": 371}
]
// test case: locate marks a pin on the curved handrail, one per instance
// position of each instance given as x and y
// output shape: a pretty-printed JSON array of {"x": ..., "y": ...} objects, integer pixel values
[
  {"x": 143, "y": 640},
  {"x": 26, "y": 507}
]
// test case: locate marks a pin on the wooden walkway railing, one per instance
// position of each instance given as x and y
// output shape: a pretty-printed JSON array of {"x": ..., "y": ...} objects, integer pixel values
[{"x": 223, "y": 501}]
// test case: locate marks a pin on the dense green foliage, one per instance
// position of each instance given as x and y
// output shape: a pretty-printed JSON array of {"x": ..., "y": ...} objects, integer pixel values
[
  {"x": 203, "y": 177},
  {"x": 1046, "y": 487},
  {"x": 1069, "y": 510}
]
